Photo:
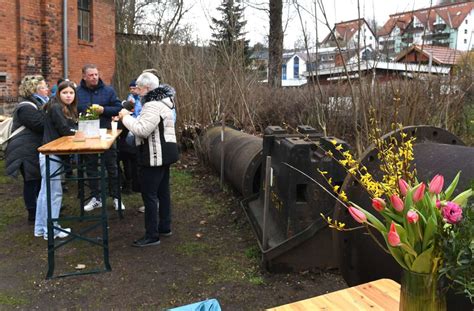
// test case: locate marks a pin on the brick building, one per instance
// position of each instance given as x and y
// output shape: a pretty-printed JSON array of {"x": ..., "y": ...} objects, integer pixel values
[{"x": 32, "y": 41}]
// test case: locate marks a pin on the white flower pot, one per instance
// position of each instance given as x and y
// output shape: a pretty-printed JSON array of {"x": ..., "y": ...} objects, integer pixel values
[{"x": 90, "y": 128}]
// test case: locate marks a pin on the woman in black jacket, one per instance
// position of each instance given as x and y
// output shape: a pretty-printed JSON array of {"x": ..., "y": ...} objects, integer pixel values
[
  {"x": 21, "y": 154},
  {"x": 61, "y": 120}
]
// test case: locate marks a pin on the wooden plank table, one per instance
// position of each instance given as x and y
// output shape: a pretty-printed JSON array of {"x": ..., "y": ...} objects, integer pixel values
[
  {"x": 66, "y": 146},
  {"x": 383, "y": 294}
]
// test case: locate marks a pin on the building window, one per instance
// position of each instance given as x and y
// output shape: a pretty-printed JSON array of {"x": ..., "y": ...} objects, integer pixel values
[
  {"x": 466, "y": 21},
  {"x": 296, "y": 68},
  {"x": 465, "y": 31},
  {"x": 465, "y": 41},
  {"x": 84, "y": 20},
  {"x": 283, "y": 71}
]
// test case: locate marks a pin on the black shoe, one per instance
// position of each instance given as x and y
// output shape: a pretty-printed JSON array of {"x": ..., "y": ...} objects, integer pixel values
[
  {"x": 166, "y": 233},
  {"x": 146, "y": 242}
]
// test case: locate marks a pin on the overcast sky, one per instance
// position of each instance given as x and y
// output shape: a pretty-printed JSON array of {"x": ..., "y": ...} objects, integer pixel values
[{"x": 337, "y": 10}]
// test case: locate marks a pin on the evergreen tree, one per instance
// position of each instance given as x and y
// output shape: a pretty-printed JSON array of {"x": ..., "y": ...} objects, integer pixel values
[{"x": 228, "y": 36}]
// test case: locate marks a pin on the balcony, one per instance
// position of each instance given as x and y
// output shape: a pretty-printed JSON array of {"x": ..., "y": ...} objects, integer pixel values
[
  {"x": 414, "y": 29},
  {"x": 439, "y": 26},
  {"x": 407, "y": 40},
  {"x": 437, "y": 36}
]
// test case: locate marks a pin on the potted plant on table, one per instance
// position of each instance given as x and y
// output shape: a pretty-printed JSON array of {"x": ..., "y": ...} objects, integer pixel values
[
  {"x": 89, "y": 123},
  {"x": 410, "y": 215}
]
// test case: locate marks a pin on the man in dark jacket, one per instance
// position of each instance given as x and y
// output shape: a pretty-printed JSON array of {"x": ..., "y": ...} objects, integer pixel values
[{"x": 93, "y": 90}]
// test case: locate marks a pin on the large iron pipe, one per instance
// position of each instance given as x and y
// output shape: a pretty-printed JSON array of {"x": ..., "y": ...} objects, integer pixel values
[
  {"x": 436, "y": 151},
  {"x": 242, "y": 157}
]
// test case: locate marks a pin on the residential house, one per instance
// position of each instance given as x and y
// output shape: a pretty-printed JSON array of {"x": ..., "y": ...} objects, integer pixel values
[
  {"x": 345, "y": 41},
  {"x": 54, "y": 38},
  {"x": 430, "y": 55},
  {"x": 351, "y": 35},
  {"x": 293, "y": 66},
  {"x": 448, "y": 25},
  {"x": 381, "y": 71}
]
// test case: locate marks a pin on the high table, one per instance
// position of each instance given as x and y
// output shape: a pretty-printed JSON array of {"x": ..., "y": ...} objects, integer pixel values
[
  {"x": 383, "y": 294},
  {"x": 67, "y": 146}
]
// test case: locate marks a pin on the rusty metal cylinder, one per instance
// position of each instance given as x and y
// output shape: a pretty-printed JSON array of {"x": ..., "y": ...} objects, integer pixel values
[
  {"x": 242, "y": 157},
  {"x": 436, "y": 151}
]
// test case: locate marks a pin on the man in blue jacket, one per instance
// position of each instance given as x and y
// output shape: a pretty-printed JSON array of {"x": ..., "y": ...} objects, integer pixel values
[{"x": 93, "y": 90}]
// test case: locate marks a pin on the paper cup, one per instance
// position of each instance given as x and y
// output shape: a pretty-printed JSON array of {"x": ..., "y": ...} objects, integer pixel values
[
  {"x": 114, "y": 126},
  {"x": 103, "y": 133}
]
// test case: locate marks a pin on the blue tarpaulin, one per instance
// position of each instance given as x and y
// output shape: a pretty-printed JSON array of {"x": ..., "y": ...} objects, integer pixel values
[{"x": 206, "y": 305}]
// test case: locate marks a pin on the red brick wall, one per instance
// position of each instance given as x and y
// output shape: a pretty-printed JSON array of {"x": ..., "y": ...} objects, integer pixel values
[
  {"x": 31, "y": 42},
  {"x": 101, "y": 51}
]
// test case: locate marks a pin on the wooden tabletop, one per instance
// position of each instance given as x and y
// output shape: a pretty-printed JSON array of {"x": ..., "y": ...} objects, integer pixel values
[
  {"x": 383, "y": 294},
  {"x": 67, "y": 145}
]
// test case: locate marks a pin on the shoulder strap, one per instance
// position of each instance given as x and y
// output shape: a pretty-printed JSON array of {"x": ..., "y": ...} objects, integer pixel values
[
  {"x": 16, "y": 132},
  {"x": 21, "y": 128},
  {"x": 26, "y": 103}
]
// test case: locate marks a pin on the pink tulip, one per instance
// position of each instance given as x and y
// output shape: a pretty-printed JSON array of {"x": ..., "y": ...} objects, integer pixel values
[
  {"x": 357, "y": 215},
  {"x": 403, "y": 185},
  {"x": 378, "y": 204},
  {"x": 412, "y": 216},
  {"x": 452, "y": 212},
  {"x": 397, "y": 203},
  {"x": 393, "y": 237},
  {"x": 419, "y": 193},
  {"x": 436, "y": 184}
]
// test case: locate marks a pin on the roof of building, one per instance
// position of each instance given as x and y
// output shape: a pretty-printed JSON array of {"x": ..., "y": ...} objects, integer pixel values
[
  {"x": 440, "y": 55},
  {"x": 452, "y": 14},
  {"x": 346, "y": 30},
  {"x": 389, "y": 66}
]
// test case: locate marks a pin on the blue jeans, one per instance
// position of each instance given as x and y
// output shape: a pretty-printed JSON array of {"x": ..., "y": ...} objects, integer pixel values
[{"x": 41, "y": 225}]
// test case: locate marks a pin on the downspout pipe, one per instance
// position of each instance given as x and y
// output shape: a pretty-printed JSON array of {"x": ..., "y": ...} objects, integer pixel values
[{"x": 65, "y": 41}]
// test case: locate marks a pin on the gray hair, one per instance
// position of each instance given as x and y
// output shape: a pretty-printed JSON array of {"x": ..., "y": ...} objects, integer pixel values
[
  {"x": 89, "y": 66},
  {"x": 148, "y": 80}
]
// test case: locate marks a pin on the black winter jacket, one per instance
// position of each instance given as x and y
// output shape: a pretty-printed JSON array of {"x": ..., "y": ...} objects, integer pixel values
[
  {"x": 56, "y": 124},
  {"x": 22, "y": 151}
]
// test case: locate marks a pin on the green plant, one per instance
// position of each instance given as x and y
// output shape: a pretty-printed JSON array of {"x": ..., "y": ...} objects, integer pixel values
[
  {"x": 407, "y": 213},
  {"x": 90, "y": 114},
  {"x": 457, "y": 253}
]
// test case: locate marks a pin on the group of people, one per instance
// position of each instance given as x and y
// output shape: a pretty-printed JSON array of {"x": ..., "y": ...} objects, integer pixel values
[{"x": 149, "y": 132}]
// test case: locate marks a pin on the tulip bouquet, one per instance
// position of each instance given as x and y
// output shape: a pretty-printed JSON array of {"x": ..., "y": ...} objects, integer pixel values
[
  {"x": 414, "y": 218},
  {"x": 409, "y": 214}
]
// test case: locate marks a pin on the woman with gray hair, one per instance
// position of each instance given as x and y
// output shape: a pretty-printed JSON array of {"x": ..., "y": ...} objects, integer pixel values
[
  {"x": 21, "y": 154},
  {"x": 155, "y": 139}
]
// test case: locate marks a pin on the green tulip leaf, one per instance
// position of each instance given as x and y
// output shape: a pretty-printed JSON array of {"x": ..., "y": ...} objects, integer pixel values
[
  {"x": 430, "y": 229},
  {"x": 397, "y": 254},
  {"x": 449, "y": 191},
  {"x": 461, "y": 199},
  {"x": 422, "y": 263}
]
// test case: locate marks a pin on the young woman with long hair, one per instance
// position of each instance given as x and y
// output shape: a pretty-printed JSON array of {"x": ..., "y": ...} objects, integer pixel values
[{"x": 61, "y": 120}]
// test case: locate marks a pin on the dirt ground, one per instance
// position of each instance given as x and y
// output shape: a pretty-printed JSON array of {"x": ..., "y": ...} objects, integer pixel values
[{"x": 211, "y": 254}]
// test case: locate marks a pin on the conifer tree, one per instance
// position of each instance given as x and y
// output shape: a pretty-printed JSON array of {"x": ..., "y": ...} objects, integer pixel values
[{"x": 228, "y": 36}]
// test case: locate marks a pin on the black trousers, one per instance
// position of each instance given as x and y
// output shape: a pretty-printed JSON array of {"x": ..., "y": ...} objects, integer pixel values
[
  {"x": 130, "y": 179},
  {"x": 155, "y": 188},
  {"x": 31, "y": 189},
  {"x": 92, "y": 162}
]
